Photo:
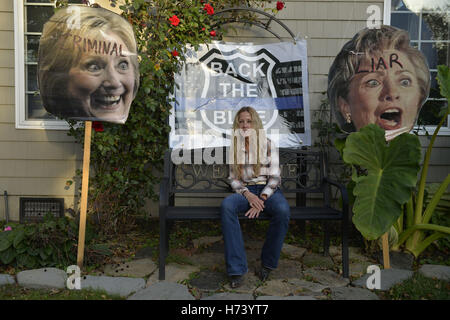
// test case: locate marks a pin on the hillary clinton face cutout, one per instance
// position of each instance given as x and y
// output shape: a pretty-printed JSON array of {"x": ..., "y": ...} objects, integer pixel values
[
  {"x": 385, "y": 91},
  {"x": 102, "y": 84},
  {"x": 378, "y": 78},
  {"x": 89, "y": 72}
]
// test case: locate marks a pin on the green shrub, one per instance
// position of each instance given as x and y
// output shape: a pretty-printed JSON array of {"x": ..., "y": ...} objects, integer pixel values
[
  {"x": 51, "y": 243},
  {"x": 127, "y": 159}
]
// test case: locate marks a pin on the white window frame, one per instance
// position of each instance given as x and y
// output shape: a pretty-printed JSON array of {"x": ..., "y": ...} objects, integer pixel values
[
  {"x": 20, "y": 93},
  {"x": 444, "y": 131}
]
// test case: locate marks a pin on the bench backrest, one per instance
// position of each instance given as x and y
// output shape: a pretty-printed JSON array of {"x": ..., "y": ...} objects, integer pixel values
[{"x": 301, "y": 171}]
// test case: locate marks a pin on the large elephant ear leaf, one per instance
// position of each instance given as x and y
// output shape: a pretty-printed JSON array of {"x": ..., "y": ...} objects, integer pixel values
[{"x": 391, "y": 174}]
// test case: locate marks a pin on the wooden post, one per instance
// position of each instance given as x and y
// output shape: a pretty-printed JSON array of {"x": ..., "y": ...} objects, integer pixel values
[
  {"x": 385, "y": 239},
  {"x": 84, "y": 192}
]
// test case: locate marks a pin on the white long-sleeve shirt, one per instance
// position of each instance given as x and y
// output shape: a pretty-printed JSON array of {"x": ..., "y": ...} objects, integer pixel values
[{"x": 270, "y": 173}]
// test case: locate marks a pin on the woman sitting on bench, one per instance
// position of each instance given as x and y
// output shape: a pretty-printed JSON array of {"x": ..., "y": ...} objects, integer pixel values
[{"x": 255, "y": 179}]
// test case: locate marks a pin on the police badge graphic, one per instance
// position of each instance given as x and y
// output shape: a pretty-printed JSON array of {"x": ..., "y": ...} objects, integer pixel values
[{"x": 216, "y": 81}]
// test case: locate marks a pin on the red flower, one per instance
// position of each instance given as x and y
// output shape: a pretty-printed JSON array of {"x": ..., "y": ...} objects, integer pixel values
[
  {"x": 213, "y": 33},
  {"x": 280, "y": 5},
  {"x": 98, "y": 126},
  {"x": 175, "y": 53},
  {"x": 174, "y": 20},
  {"x": 209, "y": 9}
]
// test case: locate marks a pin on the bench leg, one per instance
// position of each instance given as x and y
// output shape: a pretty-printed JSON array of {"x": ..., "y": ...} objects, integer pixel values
[
  {"x": 326, "y": 238},
  {"x": 302, "y": 226},
  {"x": 345, "y": 258},
  {"x": 169, "y": 229},
  {"x": 163, "y": 247}
]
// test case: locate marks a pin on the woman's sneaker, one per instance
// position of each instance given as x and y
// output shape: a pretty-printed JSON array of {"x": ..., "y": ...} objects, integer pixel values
[
  {"x": 263, "y": 273},
  {"x": 236, "y": 281}
]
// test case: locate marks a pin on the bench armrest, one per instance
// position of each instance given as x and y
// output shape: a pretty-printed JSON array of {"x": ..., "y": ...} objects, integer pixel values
[{"x": 344, "y": 194}]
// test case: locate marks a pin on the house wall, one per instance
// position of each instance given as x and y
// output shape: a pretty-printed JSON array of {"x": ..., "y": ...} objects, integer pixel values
[
  {"x": 37, "y": 163},
  {"x": 33, "y": 163}
]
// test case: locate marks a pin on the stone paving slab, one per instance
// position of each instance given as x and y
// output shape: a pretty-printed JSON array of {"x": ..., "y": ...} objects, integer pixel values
[
  {"x": 229, "y": 296},
  {"x": 308, "y": 285},
  {"x": 208, "y": 280},
  {"x": 358, "y": 269},
  {"x": 208, "y": 259},
  {"x": 349, "y": 293},
  {"x": 287, "y": 269},
  {"x": 206, "y": 241},
  {"x": 250, "y": 283},
  {"x": 143, "y": 253},
  {"x": 122, "y": 286},
  {"x": 328, "y": 278},
  {"x": 43, "y": 278},
  {"x": 174, "y": 273},
  {"x": 136, "y": 268},
  {"x": 355, "y": 255},
  {"x": 293, "y": 252},
  {"x": 389, "y": 278},
  {"x": 279, "y": 288},
  {"x": 311, "y": 260},
  {"x": 435, "y": 271},
  {"x": 286, "y": 298},
  {"x": 254, "y": 245},
  {"x": 163, "y": 290},
  {"x": 397, "y": 260},
  {"x": 6, "y": 279}
]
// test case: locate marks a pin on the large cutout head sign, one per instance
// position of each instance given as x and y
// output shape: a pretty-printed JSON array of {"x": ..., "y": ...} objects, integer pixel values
[
  {"x": 88, "y": 66},
  {"x": 378, "y": 78}
]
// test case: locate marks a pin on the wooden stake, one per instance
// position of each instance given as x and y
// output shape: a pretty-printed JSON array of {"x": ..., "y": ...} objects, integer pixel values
[
  {"x": 84, "y": 192},
  {"x": 385, "y": 239}
]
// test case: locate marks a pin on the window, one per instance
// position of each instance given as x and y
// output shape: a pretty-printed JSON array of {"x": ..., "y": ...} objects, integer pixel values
[
  {"x": 30, "y": 17},
  {"x": 427, "y": 22}
]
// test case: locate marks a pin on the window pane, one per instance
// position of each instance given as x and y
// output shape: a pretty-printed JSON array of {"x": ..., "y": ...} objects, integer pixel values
[
  {"x": 408, "y": 22},
  {"x": 32, "y": 48},
  {"x": 434, "y": 85},
  {"x": 37, "y": 16},
  {"x": 32, "y": 83},
  {"x": 398, "y": 5},
  {"x": 35, "y": 109},
  {"x": 435, "y": 26},
  {"x": 431, "y": 112},
  {"x": 437, "y": 53}
]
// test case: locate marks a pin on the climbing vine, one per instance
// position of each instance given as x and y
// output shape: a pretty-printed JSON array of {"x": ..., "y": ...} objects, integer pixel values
[{"x": 126, "y": 159}]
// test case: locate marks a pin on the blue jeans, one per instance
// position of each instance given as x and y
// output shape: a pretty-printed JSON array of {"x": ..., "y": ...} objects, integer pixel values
[{"x": 278, "y": 209}]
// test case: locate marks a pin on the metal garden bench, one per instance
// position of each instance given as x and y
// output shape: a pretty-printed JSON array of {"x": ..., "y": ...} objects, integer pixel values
[{"x": 302, "y": 172}]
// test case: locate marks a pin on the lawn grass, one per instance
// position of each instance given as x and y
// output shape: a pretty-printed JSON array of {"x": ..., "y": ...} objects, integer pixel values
[{"x": 16, "y": 292}]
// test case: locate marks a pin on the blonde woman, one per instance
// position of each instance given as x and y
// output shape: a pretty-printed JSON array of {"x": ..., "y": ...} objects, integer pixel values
[
  {"x": 88, "y": 66},
  {"x": 255, "y": 179}
]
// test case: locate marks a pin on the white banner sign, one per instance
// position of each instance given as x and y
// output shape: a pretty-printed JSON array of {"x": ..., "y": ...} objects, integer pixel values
[{"x": 219, "y": 79}]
